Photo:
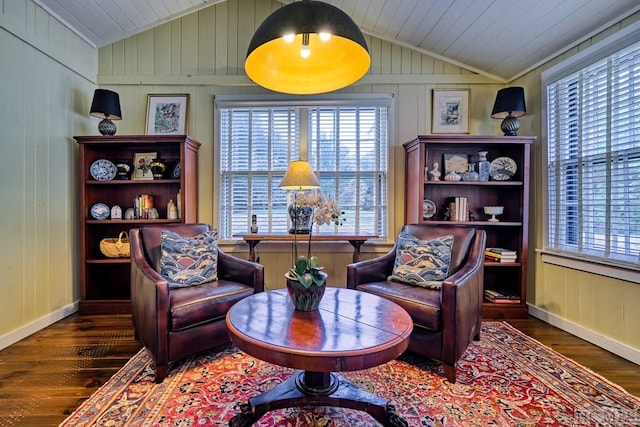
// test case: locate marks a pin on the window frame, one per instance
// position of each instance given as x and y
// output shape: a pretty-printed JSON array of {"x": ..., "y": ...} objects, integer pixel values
[
  {"x": 589, "y": 56},
  {"x": 280, "y": 100}
]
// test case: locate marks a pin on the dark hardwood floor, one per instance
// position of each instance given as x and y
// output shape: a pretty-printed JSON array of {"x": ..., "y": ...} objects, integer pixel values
[{"x": 44, "y": 377}]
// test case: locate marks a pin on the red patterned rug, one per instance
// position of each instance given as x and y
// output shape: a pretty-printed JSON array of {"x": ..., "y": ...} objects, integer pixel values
[{"x": 505, "y": 379}]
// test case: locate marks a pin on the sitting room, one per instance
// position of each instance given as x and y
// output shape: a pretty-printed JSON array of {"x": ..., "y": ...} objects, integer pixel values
[{"x": 310, "y": 213}]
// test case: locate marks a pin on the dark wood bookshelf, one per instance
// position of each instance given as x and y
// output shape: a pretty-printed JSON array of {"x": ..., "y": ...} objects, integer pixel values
[
  {"x": 105, "y": 282},
  {"x": 511, "y": 231}
]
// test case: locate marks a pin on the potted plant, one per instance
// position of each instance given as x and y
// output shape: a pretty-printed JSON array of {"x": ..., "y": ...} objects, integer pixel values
[{"x": 306, "y": 280}]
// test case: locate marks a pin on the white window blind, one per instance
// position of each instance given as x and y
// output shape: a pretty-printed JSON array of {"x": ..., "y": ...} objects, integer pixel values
[
  {"x": 593, "y": 146},
  {"x": 345, "y": 141}
]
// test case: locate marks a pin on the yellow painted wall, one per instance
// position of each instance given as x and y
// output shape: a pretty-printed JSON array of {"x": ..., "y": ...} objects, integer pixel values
[
  {"x": 600, "y": 305},
  {"x": 203, "y": 55},
  {"x": 48, "y": 76}
]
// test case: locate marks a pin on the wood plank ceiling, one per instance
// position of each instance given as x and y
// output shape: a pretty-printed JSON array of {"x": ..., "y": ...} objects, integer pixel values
[{"x": 502, "y": 39}]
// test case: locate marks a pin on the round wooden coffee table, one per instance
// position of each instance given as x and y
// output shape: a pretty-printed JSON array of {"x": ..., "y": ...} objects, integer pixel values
[{"x": 350, "y": 331}]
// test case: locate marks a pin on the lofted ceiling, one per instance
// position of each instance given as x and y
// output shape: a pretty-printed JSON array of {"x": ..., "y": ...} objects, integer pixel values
[{"x": 501, "y": 39}]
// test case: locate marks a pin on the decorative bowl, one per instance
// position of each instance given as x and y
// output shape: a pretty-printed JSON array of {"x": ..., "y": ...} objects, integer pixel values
[{"x": 493, "y": 211}]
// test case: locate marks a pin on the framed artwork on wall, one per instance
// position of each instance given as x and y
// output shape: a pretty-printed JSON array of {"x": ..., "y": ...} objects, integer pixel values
[
  {"x": 142, "y": 165},
  {"x": 167, "y": 114},
  {"x": 450, "y": 111}
]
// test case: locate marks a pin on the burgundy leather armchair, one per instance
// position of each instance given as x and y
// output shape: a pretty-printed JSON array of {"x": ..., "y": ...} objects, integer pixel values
[
  {"x": 446, "y": 320},
  {"x": 176, "y": 323}
]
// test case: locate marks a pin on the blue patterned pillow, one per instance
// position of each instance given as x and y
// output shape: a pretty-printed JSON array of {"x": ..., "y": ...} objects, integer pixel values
[
  {"x": 188, "y": 261},
  {"x": 422, "y": 262}
]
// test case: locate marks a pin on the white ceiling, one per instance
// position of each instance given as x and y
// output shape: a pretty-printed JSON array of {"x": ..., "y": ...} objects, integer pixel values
[{"x": 502, "y": 39}]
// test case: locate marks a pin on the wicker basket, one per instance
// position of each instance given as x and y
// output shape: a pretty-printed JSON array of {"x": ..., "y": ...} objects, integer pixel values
[{"x": 116, "y": 248}]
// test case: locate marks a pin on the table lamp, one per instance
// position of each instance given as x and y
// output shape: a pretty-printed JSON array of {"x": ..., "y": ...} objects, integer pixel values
[
  {"x": 509, "y": 106},
  {"x": 106, "y": 105}
]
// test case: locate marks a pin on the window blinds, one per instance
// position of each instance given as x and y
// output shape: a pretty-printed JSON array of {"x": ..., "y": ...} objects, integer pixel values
[
  {"x": 593, "y": 135},
  {"x": 346, "y": 144}
]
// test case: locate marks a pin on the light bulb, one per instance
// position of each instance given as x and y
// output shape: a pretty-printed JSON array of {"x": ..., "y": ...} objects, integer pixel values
[
  {"x": 305, "y": 52},
  {"x": 325, "y": 37},
  {"x": 289, "y": 37}
]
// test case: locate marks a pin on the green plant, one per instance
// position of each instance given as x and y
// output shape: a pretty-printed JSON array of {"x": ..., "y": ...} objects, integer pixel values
[{"x": 307, "y": 270}]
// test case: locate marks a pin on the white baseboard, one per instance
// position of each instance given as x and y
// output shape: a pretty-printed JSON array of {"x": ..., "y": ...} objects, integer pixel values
[
  {"x": 609, "y": 344},
  {"x": 41, "y": 323}
]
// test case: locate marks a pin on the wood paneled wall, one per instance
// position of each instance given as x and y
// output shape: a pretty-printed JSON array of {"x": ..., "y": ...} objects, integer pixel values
[
  {"x": 46, "y": 90},
  {"x": 48, "y": 77},
  {"x": 203, "y": 54}
]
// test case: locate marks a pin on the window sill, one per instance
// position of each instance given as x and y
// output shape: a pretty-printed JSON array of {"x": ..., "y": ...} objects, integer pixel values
[{"x": 601, "y": 268}]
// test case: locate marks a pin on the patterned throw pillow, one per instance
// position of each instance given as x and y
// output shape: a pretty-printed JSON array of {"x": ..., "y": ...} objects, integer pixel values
[
  {"x": 422, "y": 262},
  {"x": 188, "y": 261}
]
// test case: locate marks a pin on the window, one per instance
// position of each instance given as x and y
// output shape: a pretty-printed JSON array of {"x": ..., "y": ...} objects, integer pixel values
[
  {"x": 345, "y": 140},
  {"x": 593, "y": 153}
]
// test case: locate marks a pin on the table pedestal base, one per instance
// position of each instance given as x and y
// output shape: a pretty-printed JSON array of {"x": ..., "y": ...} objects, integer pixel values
[{"x": 309, "y": 388}]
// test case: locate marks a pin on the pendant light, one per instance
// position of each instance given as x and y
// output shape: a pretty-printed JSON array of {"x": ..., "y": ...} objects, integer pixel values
[{"x": 307, "y": 47}]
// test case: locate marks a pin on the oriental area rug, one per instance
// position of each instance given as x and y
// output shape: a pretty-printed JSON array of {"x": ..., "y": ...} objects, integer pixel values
[{"x": 505, "y": 379}]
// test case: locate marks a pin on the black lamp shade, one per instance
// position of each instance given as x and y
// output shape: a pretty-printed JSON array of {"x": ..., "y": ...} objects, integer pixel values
[
  {"x": 509, "y": 102},
  {"x": 277, "y": 65},
  {"x": 106, "y": 105}
]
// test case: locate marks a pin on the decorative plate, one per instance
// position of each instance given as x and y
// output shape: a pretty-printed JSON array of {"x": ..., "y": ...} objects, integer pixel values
[
  {"x": 175, "y": 173},
  {"x": 502, "y": 168},
  {"x": 103, "y": 170},
  {"x": 428, "y": 209},
  {"x": 100, "y": 211}
]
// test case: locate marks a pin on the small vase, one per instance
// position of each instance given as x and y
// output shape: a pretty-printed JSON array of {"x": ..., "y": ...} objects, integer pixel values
[
  {"x": 484, "y": 166},
  {"x": 124, "y": 168},
  {"x": 470, "y": 174},
  {"x": 157, "y": 167},
  {"x": 305, "y": 299},
  {"x": 301, "y": 217},
  {"x": 452, "y": 177}
]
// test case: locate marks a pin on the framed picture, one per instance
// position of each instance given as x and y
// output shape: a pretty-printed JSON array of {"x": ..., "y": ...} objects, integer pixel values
[
  {"x": 141, "y": 168},
  {"x": 167, "y": 114},
  {"x": 450, "y": 111},
  {"x": 455, "y": 162}
]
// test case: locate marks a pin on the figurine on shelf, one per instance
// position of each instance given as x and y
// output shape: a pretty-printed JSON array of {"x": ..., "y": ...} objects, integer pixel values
[
  {"x": 446, "y": 216},
  {"x": 435, "y": 172},
  {"x": 172, "y": 210}
]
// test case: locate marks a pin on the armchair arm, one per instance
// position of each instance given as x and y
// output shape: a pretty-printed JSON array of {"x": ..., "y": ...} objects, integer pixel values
[
  {"x": 240, "y": 270},
  {"x": 462, "y": 295},
  {"x": 371, "y": 270},
  {"x": 149, "y": 300}
]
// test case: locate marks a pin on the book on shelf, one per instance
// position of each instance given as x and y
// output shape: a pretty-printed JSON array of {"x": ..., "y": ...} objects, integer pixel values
[
  {"x": 500, "y": 251},
  {"x": 500, "y": 255},
  {"x": 501, "y": 297},
  {"x": 493, "y": 258},
  {"x": 458, "y": 209}
]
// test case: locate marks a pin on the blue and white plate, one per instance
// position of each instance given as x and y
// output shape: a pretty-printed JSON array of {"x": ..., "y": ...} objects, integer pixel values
[
  {"x": 175, "y": 173},
  {"x": 502, "y": 169},
  {"x": 428, "y": 209},
  {"x": 100, "y": 211},
  {"x": 103, "y": 170}
]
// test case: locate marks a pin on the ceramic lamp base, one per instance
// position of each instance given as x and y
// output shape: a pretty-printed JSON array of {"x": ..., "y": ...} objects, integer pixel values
[
  {"x": 510, "y": 126},
  {"x": 294, "y": 231},
  {"x": 106, "y": 127}
]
